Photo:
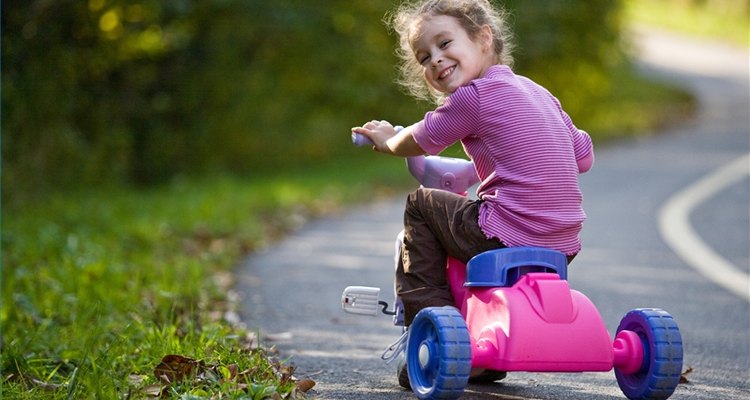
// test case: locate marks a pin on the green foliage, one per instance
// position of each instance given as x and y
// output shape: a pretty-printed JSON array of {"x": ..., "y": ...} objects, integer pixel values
[
  {"x": 725, "y": 20},
  {"x": 140, "y": 91},
  {"x": 573, "y": 48},
  {"x": 79, "y": 82},
  {"x": 143, "y": 90}
]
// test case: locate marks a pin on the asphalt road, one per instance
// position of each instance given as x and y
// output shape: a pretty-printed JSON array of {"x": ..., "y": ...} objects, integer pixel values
[{"x": 291, "y": 292}]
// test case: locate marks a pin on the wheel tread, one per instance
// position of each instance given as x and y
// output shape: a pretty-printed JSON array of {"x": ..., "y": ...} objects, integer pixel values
[
  {"x": 660, "y": 379},
  {"x": 454, "y": 354}
]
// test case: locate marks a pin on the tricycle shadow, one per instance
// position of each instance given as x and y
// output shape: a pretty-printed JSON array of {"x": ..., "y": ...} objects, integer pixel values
[{"x": 534, "y": 390}]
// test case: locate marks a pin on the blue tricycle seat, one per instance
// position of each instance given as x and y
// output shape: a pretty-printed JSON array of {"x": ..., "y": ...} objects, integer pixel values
[{"x": 503, "y": 267}]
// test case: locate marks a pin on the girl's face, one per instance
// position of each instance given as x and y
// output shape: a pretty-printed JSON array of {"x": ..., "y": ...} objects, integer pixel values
[{"x": 448, "y": 54}]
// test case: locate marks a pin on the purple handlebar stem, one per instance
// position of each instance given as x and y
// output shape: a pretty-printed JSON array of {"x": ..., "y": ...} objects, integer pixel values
[{"x": 452, "y": 174}]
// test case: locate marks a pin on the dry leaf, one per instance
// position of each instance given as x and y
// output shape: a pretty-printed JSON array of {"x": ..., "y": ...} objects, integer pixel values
[
  {"x": 154, "y": 390},
  {"x": 683, "y": 376},
  {"x": 233, "y": 371},
  {"x": 174, "y": 368},
  {"x": 303, "y": 385}
]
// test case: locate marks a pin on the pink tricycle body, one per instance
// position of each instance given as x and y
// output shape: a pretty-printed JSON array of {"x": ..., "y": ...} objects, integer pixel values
[{"x": 553, "y": 328}]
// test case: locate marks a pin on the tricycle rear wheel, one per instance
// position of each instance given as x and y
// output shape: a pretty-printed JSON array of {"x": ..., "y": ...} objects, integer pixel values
[
  {"x": 662, "y": 355},
  {"x": 438, "y": 353}
]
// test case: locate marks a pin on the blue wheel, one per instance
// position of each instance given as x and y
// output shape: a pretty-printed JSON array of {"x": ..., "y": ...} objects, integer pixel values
[
  {"x": 662, "y": 355},
  {"x": 438, "y": 354}
]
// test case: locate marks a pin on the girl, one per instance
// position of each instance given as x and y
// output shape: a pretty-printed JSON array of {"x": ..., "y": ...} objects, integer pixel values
[{"x": 525, "y": 148}]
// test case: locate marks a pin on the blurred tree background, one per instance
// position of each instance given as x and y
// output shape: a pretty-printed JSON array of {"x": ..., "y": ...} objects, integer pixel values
[{"x": 136, "y": 92}]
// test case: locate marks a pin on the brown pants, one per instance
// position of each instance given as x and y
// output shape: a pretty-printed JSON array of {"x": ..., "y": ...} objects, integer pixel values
[{"x": 437, "y": 224}]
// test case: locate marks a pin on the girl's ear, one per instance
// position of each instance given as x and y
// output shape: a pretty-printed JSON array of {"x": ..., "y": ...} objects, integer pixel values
[{"x": 485, "y": 37}]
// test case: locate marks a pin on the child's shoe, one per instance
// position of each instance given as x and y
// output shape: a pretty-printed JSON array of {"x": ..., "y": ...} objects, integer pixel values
[
  {"x": 481, "y": 375},
  {"x": 403, "y": 373},
  {"x": 397, "y": 351}
]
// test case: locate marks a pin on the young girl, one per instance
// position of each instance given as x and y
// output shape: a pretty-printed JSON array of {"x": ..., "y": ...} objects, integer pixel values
[{"x": 525, "y": 148}]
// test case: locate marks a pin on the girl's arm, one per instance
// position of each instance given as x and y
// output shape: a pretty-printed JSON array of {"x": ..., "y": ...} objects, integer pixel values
[
  {"x": 583, "y": 148},
  {"x": 385, "y": 139},
  {"x": 585, "y": 164}
]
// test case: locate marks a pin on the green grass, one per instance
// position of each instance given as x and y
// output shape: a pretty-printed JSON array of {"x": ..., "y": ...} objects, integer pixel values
[
  {"x": 98, "y": 286},
  {"x": 724, "y": 20}
]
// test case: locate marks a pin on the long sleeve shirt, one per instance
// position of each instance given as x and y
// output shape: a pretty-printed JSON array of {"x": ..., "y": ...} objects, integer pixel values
[{"x": 526, "y": 151}]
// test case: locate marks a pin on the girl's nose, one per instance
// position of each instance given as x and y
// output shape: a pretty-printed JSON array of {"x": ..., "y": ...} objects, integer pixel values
[{"x": 437, "y": 60}]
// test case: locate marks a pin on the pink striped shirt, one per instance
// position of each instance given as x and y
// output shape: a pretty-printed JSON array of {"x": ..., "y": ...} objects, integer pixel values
[{"x": 525, "y": 149}]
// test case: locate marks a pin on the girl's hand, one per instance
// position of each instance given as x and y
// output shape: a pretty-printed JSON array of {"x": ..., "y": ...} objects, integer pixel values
[
  {"x": 378, "y": 132},
  {"x": 389, "y": 140}
]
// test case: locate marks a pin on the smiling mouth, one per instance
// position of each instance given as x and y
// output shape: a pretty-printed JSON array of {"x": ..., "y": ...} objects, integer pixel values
[{"x": 446, "y": 72}]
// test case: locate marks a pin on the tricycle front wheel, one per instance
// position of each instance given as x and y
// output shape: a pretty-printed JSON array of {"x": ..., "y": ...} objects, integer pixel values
[
  {"x": 662, "y": 355},
  {"x": 438, "y": 354}
]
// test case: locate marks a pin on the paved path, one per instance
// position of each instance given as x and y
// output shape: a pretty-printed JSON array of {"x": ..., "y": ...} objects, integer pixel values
[{"x": 292, "y": 291}]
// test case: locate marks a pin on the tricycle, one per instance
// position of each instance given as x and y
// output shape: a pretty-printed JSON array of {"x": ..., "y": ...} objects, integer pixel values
[{"x": 515, "y": 311}]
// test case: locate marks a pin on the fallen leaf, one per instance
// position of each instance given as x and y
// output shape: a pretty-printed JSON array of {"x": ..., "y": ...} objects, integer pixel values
[
  {"x": 174, "y": 368},
  {"x": 154, "y": 390},
  {"x": 233, "y": 370},
  {"x": 683, "y": 376},
  {"x": 303, "y": 385}
]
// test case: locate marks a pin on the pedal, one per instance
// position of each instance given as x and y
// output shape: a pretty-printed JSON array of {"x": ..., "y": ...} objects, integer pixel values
[{"x": 362, "y": 300}]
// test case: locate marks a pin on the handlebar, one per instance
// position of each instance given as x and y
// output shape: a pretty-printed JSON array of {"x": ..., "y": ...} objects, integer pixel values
[
  {"x": 359, "y": 139},
  {"x": 452, "y": 174}
]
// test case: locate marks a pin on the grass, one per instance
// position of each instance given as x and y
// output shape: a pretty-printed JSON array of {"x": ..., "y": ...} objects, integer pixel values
[{"x": 98, "y": 286}]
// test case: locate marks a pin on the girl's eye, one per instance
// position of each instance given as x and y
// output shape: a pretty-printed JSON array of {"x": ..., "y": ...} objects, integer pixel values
[
  {"x": 444, "y": 44},
  {"x": 424, "y": 59}
]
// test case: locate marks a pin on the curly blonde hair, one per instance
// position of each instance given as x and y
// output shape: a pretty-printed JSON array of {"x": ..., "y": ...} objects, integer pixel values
[{"x": 472, "y": 16}]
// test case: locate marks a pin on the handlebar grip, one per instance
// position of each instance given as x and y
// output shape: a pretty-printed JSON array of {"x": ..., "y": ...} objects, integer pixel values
[{"x": 359, "y": 139}]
